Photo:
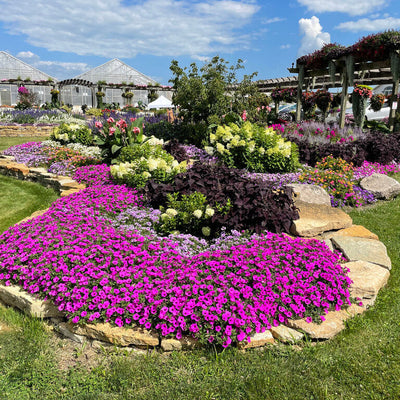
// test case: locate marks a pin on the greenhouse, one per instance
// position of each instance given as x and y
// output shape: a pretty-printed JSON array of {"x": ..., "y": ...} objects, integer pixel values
[
  {"x": 14, "y": 71},
  {"x": 111, "y": 82}
]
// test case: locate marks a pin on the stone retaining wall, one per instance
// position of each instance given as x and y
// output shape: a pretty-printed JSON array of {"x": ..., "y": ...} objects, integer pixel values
[
  {"x": 26, "y": 130},
  {"x": 64, "y": 185},
  {"x": 368, "y": 266}
]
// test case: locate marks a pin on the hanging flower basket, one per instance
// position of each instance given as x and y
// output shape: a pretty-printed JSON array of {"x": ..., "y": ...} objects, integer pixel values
[
  {"x": 377, "y": 101},
  {"x": 360, "y": 96},
  {"x": 127, "y": 95}
]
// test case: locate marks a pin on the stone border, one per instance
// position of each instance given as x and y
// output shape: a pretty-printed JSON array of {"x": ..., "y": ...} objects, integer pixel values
[
  {"x": 26, "y": 130},
  {"x": 368, "y": 267},
  {"x": 64, "y": 185}
]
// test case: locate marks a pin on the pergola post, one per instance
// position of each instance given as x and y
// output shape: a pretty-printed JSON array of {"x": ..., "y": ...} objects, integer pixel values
[
  {"x": 298, "y": 101},
  {"x": 343, "y": 99},
  {"x": 392, "y": 114}
]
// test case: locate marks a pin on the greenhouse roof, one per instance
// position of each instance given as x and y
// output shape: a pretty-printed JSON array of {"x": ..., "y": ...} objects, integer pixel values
[
  {"x": 13, "y": 68},
  {"x": 116, "y": 71}
]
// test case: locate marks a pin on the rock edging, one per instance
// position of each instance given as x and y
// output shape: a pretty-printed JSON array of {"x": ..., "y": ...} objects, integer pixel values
[{"x": 64, "y": 185}]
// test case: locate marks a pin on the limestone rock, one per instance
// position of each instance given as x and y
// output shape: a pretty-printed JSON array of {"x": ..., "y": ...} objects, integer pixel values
[
  {"x": 70, "y": 184},
  {"x": 285, "y": 334},
  {"x": 370, "y": 250},
  {"x": 65, "y": 193},
  {"x": 63, "y": 330},
  {"x": 119, "y": 336},
  {"x": 186, "y": 343},
  {"x": 382, "y": 186},
  {"x": 367, "y": 279},
  {"x": 258, "y": 340},
  {"x": 33, "y": 215},
  {"x": 333, "y": 324},
  {"x": 310, "y": 194},
  {"x": 17, "y": 168},
  {"x": 353, "y": 231},
  {"x": 16, "y": 297},
  {"x": 316, "y": 219}
]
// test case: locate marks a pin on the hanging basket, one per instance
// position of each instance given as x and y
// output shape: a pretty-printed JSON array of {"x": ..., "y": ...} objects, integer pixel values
[{"x": 359, "y": 105}]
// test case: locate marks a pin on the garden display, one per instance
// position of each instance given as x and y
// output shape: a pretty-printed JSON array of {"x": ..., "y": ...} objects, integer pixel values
[{"x": 182, "y": 240}]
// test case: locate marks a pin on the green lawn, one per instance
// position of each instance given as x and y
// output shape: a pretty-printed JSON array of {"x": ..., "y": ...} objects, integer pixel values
[
  {"x": 6, "y": 142},
  {"x": 363, "y": 362}
]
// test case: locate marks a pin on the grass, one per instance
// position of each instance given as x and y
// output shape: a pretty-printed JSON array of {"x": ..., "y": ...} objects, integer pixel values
[
  {"x": 6, "y": 142},
  {"x": 363, "y": 362},
  {"x": 20, "y": 199}
]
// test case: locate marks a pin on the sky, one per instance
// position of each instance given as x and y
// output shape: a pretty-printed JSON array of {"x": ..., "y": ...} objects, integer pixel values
[{"x": 65, "y": 38}]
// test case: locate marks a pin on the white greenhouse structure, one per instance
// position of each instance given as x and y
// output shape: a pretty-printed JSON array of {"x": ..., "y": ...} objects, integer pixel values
[
  {"x": 13, "y": 72},
  {"x": 118, "y": 83}
]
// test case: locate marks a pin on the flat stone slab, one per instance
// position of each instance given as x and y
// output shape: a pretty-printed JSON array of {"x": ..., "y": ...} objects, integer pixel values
[
  {"x": 33, "y": 215},
  {"x": 16, "y": 297},
  {"x": 257, "y": 340},
  {"x": 116, "y": 335},
  {"x": 186, "y": 343},
  {"x": 285, "y": 334},
  {"x": 382, "y": 186},
  {"x": 316, "y": 219},
  {"x": 310, "y": 194},
  {"x": 333, "y": 324},
  {"x": 355, "y": 249},
  {"x": 353, "y": 231},
  {"x": 367, "y": 279}
]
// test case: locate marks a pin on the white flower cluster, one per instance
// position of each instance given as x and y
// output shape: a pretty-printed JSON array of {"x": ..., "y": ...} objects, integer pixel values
[
  {"x": 88, "y": 151},
  {"x": 147, "y": 167}
]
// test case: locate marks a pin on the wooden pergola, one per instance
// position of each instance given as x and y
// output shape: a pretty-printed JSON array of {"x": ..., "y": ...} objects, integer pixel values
[{"x": 343, "y": 73}]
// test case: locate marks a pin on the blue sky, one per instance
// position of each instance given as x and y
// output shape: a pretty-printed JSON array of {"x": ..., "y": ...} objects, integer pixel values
[{"x": 66, "y": 38}]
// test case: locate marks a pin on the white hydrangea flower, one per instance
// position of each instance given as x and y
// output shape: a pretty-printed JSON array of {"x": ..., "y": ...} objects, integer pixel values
[
  {"x": 171, "y": 212},
  {"x": 197, "y": 213},
  {"x": 209, "y": 212}
]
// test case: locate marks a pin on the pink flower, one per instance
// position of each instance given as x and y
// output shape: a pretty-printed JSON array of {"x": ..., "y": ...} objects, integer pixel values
[
  {"x": 110, "y": 120},
  {"x": 111, "y": 131},
  {"x": 98, "y": 124},
  {"x": 136, "y": 130}
]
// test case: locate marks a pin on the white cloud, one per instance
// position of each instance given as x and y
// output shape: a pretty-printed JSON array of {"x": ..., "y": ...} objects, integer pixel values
[
  {"x": 27, "y": 55},
  {"x": 285, "y": 46},
  {"x": 370, "y": 25},
  {"x": 273, "y": 20},
  {"x": 355, "y": 7},
  {"x": 113, "y": 29},
  {"x": 53, "y": 68},
  {"x": 312, "y": 36}
]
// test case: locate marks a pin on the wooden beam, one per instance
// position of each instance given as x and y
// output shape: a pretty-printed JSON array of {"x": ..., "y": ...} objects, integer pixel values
[
  {"x": 392, "y": 114},
  {"x": 343, "y": 100}
]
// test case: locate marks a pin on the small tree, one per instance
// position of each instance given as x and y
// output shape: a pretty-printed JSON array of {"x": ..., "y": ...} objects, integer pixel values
[{"x": 209, "y": 91}]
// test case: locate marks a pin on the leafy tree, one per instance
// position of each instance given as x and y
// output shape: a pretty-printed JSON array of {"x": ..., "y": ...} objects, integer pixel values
[{"x": 211, "y": 91}]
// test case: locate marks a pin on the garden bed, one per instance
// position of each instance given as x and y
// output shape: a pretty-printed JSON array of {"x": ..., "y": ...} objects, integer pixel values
[{"x": 369, "y": 271}]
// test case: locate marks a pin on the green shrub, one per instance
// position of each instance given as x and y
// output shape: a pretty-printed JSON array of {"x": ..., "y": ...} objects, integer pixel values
[
  {"x": 186, "y": 214},
  {"x": 137, "y": 151},
  {"x": 72, "y": 133},
  {"x": 96, "y": 112},
  {"x": 253, "y": 147},
  {"x": 161, "y": 167}
]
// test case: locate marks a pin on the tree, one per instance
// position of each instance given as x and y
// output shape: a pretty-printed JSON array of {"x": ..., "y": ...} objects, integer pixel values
[{"x": 212, "y": 90}]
